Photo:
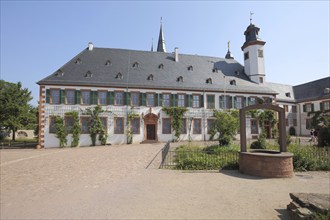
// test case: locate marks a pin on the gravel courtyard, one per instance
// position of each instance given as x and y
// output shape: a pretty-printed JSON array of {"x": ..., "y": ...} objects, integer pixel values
[{"x": 113, "y": 182}]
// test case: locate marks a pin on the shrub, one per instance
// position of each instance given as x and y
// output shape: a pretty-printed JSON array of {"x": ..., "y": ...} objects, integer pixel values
[
  {"x": 324, "y": 137},
  {"x": 288, "y": 140},
  {"x": 260, "y": 143}
]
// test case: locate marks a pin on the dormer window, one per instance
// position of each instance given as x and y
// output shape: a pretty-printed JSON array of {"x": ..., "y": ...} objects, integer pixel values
[
  {"x": 108, "y": 63},
  {"x": 190, "y": 68},
  {"x": 214, "y": 70},
  {"x": 119, "y": 76},
  {"x": 88, "y": 74},
  {"x": 59, "y": 73},
  {"x": 209, "y": 80},
  {"x": 179, "y": 79},
  {"x": 150, "y": 77},
  {"x": 232, "y": 82},
  {"x": 326, "y": 91},
  {"x": 78, "y": 61},
  {"x": 135, "y": 65},
  {"x": 237, "y": 72},
  {"x": 288, "y": 94},
  {"x": 161, "y": 66}
]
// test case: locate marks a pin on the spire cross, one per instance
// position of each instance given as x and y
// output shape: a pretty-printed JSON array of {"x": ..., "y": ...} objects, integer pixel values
[{"x": 251, "y": 13}]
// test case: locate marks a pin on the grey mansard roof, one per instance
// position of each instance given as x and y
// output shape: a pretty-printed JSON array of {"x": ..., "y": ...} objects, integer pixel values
[
  {"x": 312, "y": 90},
  {"x": 221, "y": 71}
]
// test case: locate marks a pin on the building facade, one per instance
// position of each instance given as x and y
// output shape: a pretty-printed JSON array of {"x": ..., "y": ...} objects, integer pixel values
[{"x": 143, "y": 82}]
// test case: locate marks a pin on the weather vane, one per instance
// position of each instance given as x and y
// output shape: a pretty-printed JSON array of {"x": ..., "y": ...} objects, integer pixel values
[{"x": 251, "y": 13}]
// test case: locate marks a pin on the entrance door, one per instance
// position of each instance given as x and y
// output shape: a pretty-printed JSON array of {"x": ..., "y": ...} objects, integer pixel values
[{"x": 151, "y": 132}]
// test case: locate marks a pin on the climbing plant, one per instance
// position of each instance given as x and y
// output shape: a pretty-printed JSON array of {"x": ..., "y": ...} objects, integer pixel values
[
  {"x": 129, "y": 133},
  {"x": 61, "y": 134},
  {"x": 269, "y": 117},
  {"x": 76, "y": 130},
  {"x": 95, "y": 125},
  {"x": 176, "y": 114}
]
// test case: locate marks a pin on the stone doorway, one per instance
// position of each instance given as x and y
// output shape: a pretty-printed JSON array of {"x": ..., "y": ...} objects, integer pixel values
[{"x": 150, "y": 128}]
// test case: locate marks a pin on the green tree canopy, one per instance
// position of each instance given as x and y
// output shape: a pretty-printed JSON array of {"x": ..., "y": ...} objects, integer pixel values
[
  {"x": 226, "y": 125},
  {"x": 15, "y": 111}
]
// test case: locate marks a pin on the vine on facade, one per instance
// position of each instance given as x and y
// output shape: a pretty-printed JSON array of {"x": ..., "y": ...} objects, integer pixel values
[
  {"x": 130, "y": 116},
  {"x": 176, "y": 114},
  {"x": 61, "y": 134},
  {"x": 95, "y": 125},
  {"x": 76, "y": 130}
]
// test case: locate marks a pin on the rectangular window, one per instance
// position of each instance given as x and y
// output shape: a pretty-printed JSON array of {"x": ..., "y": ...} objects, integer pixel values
[
  {"x": 86, "y": 97},
  {"x": 104, "y": 121},
  {"x": 261, "y": 79},
  {"x": 308, "y": 123},
  {"x": 260, "y": 53},
  {"x": 285, "y": 108},
  {"x": 55, "y": 96},
  {"x": 254, "y": 126},
  {"x": 166, "y": 126},
  {"x": 119, "y": 125},
  {"x": 102, "y": 97},
  {"x": 210, "y": 123},
  {"x": 294, "y": 122},
  {"x": 166, "y": 100},
  {"x": 181, "y": 101},
  {"x": 286, "y": 122},
  {"x": 210, "y": 101},
  {"x": 239, "y": 103},
  {"x": 70, "y": 97},
  {"x": 197, "y": 126},
  {"x": 294, "y": 109},
  {"x": 52, "y": 125},
  {"x": 225, "y": 102},
  {"x": 308, "y": 108},
  {"x": 85, "y": 125},
  {"x": 196, "y": 102},
  {"x": 119, "y": 98},
  {"x": 135, "y": 99},
  {"x": 252, "y": 101},
  {"x": 135, "y": 125},
  {"x": 150, "y": 99},
  {"x": 68, "y": 124},
  {"x": 246, "y": 55},
  {"x": 184, "y": 126},
  {"x": 325, "y": 105}
]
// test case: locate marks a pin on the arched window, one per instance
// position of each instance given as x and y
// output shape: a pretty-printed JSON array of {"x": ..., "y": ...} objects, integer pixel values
[
  {"x": 135, "y": 65},
  {"x": 88, "y": 74},
  {"x": 233, "y": 82},
  {"x": 150, "y": 77},
  {"x": 59, "y": 73},
  {"x": 190, "y": 68},
  {"x": 119, "y": 76},
  {"x": 209, "y": 80},
  {"x": 161, "y": 66},
  {"x": 179, "y": 79},
  {"x": 108, "y": 63},
  {"x": 78, "y": 61}
]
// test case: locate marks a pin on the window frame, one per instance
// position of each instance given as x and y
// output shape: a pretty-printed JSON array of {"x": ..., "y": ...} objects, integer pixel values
[
  {"x": 154, "y": 99},
  {"x": 164, "y": 131},
  {"x": 121, "y": 131},
  {"x": 82, "y": 96},
  {"x": 138, "y": 98},
  {"x": 82, "y": 124},
  {"x": 199, "y": 131},
  {"x": 207, "y": 101},
  {"x": 51, "y": 96},
  {"x": 52, "y": 125},
  {"x": 138, "y": 125},
  {"x": 181, "y": 100},
  {"x": 67, "y": 91},
  {"x": 105, "y": 92},
  {"x": 122, "y": 98},
  {"x": 196, "y": 101}
]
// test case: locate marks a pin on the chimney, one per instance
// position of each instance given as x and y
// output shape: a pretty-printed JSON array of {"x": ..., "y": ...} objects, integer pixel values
[
  {"x": 176, "y": 54},
  {"x": 90, "y": 46}
]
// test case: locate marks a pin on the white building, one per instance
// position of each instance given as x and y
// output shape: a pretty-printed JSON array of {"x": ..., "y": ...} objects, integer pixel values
[{"x": 119, "y": 79}]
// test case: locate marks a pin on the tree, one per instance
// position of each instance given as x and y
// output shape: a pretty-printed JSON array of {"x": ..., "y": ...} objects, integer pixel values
[
  {"x": 321, "y": 121},
  {"x": 226, "y": 125},
  {"x": 15, "y": 112}
]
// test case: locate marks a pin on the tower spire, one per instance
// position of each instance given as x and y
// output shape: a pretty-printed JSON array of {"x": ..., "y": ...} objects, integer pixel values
[
  {"x": 229, "y": 55},
  {"x": 161, "y": 41},
  {"x": 251, "y": 13},
  {"x": 152, "y": 45}
]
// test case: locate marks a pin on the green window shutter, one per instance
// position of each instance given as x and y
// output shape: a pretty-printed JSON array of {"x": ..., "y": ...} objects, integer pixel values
[
  {"x": 175, "y": 99},
  {"x": 160, "y": 100},
  {"x": 143, "y": 101},
  {"x": 230, "y": 102},
  {"x": 95, "y": 98},
  {"x": 202, "y": 101},
  {"x": 47, "y": 96},
  {"x": 111, "y": 98},
  {"x": 156, "y": 99},
  {"x": 186, "y": 101},
  {"x": 312, "y": 107},
  {"x": 126, "y": 98},
  {"x": 62, "y": 95},
  {"x": 77, "y": 95},
  {"x": 321, "y": 106},
  {"x": 221, "y": 102},
  {"x": 191, "y": 99},
  {"x": 172, "y": 100},
  {"x": 304, "y": 108},
  {"x": 92, "y": 98}
]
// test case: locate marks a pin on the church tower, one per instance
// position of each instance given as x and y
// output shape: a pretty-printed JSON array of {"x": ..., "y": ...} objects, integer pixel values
[
  {"x": 253, "y": 49},
  {"x": 161, "y": 41}
]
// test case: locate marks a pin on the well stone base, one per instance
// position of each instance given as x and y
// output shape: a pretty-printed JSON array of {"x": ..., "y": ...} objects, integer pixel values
[{"x": 267, "y": 164}]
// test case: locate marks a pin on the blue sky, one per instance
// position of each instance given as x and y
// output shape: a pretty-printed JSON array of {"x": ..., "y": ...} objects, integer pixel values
[{"x": 38, "y": 37}]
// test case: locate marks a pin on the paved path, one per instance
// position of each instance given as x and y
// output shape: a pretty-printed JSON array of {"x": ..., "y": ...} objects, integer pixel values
[{"x": 112, "y": 182}]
